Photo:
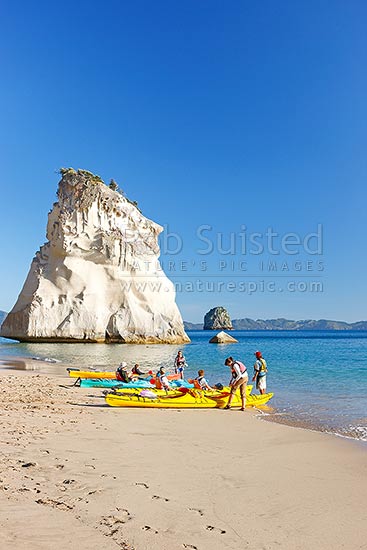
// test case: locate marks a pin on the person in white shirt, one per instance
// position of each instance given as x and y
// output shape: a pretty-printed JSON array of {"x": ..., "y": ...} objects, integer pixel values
[
  {"x": 238, "y": 381},
  {"x": 202, "y": 381},
  {"x": 260, "y": 370},
  {"x": 161, "y": 374}
]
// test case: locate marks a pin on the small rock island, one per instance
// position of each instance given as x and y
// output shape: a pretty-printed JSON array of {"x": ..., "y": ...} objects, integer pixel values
[
  {"x": 223, "y": 338},
  {"x": 98, "y": 277},
  {"x": 217, "y": 319}
]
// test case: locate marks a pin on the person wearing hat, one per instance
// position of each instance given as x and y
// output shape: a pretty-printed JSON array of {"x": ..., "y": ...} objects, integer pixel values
[
  {"x": 260, "y": 370},
  {"x": 122, "y": 374}
]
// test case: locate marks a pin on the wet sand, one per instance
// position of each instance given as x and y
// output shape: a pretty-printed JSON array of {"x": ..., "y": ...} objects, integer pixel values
[{"x": 77, "y": 474}]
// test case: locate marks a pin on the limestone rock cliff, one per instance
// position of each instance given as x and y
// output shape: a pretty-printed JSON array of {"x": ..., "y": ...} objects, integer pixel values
[
  {"x": 98, "y": 277},
  {"x": 217, "y": 319}
]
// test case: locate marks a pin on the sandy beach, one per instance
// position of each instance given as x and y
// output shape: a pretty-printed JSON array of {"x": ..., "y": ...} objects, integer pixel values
[{"x": 75, "y": 474}]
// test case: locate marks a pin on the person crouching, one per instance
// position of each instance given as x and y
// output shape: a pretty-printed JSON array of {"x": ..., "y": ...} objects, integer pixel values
[{"x": 238, "y": 381}]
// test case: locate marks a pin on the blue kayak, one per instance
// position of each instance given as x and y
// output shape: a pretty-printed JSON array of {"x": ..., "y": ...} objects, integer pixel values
[{"x": 106, "y": 383}]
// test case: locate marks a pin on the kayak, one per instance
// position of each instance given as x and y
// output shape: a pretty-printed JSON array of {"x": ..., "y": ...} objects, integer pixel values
[
  {"x": 75, "y": 373},
  {"x": 179, "y": 391},
  {"x": 192, "y": 399},
  {"x": 106, "y": 383},
  {"x": 148, "y": 393}
]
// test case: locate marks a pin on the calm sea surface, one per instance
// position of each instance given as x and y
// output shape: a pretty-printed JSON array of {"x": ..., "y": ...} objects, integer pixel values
[{"x": 319, "y": 378}]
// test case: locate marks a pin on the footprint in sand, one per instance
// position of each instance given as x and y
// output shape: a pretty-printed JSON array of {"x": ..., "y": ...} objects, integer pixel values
[
  {"x": 69, "y": 481},
  {"x": 94, "y": 491},
  {"x": 157, "y": 497},
  {"x": 29, "y": 464},
  {"x": 54, "y": 503},
  {"x": 149, "y": 528},
  {"x": 197, "y": 510},
  {"x": 139, "y": 484},
  {"x": 112, "y": 522},
  {"x": 212, "y": 528}
]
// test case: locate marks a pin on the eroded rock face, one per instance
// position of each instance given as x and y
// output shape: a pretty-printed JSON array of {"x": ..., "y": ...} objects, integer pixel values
[
  {"x": 217, "y": 319},
  {"x": 98, "y": 278}
]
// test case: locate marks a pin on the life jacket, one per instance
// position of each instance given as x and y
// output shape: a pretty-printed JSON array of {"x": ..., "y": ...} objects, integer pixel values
[
  {"x": 180, "y": 361},
  {"x": 158, "y": 380},
  {"x": 122, "y": 375},
  {"x": 197, "y": 382},
  {"x": 165, "y": 385},
  {"x": 136, "y": 371},
  {"x": 264, "y": 369},
  {"x": 243, "y": 369}
]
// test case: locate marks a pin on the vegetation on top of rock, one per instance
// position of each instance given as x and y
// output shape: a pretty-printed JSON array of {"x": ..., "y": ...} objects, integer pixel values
[
  {"x": 67, "y": 171},
  {"x": 113, "y": 185},
  {"x": 94, "y": 178}
]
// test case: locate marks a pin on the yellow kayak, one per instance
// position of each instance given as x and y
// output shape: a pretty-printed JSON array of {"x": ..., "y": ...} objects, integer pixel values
[
  {"x": 192, "y": 399},
  {"x": 178, "y": 392},
  {"x": 74, "y": 373}
]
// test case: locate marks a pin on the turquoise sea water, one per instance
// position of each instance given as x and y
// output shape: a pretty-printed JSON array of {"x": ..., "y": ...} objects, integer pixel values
[{"x": 319, "y": 378}]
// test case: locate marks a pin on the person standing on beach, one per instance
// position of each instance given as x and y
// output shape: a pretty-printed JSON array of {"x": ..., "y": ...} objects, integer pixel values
[
  {"x": 238, "y": 381},
  {"x": 180, "y": 364},
  {"x": 260, "y": 370}
]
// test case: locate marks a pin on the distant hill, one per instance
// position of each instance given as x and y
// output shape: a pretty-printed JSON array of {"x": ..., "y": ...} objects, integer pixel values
[
  {"x": 193, "y": 326},
  {"x": 286, "y": 324},
  {"x": 3, "y": 314}
]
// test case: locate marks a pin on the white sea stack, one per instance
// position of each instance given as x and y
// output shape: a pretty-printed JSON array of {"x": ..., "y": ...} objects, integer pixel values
[
  {"x": 223, "y": 338},
  {"x": 98, "y": 277}
]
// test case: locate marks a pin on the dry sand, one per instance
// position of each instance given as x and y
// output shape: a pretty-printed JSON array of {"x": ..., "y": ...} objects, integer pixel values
[{"x": 75, "y": 474}]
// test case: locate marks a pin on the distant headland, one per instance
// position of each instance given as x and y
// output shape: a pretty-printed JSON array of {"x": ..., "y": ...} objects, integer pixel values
[
  {"x": 218, "y": 318},
  {"x": 286, "y": 324}
]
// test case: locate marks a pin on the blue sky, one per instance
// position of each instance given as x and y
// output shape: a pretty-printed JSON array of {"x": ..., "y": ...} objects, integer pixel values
[{"x": 219, "y": 113}]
